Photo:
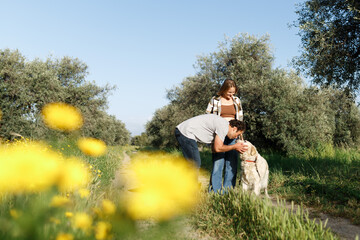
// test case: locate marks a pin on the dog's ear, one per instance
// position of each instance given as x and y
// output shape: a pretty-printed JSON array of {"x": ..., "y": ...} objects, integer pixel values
[{"x": 253, "y": 150}]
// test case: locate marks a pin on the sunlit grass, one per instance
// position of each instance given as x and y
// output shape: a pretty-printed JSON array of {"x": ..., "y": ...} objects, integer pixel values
[
  {"x": 239, "y": 215},
  {"x": 62, "y": 189},
  {"x": 324, "y": 178}
]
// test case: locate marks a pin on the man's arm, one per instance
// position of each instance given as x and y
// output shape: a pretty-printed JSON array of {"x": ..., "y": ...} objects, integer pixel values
[{"x": 220, "y": 147}]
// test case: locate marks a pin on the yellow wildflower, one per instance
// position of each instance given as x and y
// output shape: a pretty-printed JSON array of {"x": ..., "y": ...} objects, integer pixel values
[
  {"x": 102, "y": 230},
  {"x": 69, "y": 214},
  {"x": 28, "y": 167},
  {"x": 59, "y": 201},
  {"x": 108, "y": 207},
  {"x": 64, "y": 236},
  {"x": 55, "y": 220},
  {"x": 15, "y": 213},
  {"x": 62, "y": 116},
  {"x": 32, "y": 167},
  {"x": 82, "y": 221},
  {"x": 84, "y": 193},
  {"x": 167, "y": 186},
  {"x": 73, "y": 175},
  {"x": 92, "y": 147}
]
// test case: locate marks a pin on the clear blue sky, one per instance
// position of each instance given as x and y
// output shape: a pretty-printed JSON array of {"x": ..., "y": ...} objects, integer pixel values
[{"x": 142, "y": 47}]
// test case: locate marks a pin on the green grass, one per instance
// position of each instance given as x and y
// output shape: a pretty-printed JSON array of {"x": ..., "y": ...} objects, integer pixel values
[
  {"x": 326, "y": 178},
  {"x": 239, "y": 215},
  {"x": 326, "y": 181}
]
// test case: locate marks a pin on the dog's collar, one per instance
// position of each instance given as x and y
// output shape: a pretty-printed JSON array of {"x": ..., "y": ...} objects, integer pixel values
[{"x": 252, "y": 161}]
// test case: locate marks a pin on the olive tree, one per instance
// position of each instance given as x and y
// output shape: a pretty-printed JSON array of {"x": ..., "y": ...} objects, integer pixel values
[
  {"x": 26, "y": 86},
  {"x": 330, "y": 37},
  {"x": 280, "y": 110}
]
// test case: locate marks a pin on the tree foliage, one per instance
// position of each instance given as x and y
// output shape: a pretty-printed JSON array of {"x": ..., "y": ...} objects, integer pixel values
[
  {"x": 330, "y": 36},
  {"x": 26, "y": 86},
  {"x": 140, "y": 140},
  {"x": 160, "y": 129},
  {"x": 280, "y": 111}
]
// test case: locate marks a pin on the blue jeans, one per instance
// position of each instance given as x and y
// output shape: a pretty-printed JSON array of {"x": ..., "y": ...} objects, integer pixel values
[
  {"x": 230, "y": 159},
  {"x": 189, "y": 148}
]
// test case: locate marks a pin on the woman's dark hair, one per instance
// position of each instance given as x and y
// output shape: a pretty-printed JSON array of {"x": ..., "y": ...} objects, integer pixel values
[{"x": 227, "y": 84}]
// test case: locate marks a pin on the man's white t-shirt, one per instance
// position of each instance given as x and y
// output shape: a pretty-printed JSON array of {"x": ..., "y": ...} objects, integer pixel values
[{"x": 203, "y": 128}]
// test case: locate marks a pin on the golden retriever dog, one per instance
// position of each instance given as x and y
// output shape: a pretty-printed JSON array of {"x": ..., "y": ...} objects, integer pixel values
[{"x": 254, "y": 171}]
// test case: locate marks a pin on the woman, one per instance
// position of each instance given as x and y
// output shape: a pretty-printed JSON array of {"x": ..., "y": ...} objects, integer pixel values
[{"x": 228, "y": 106}]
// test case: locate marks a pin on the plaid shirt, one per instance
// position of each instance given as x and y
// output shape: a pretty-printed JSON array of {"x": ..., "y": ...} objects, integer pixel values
[{"x": 214, "y": 107}]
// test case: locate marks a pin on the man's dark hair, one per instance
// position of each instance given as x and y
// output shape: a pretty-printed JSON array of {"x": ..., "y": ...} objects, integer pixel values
[{"x": 240, "y": 125}]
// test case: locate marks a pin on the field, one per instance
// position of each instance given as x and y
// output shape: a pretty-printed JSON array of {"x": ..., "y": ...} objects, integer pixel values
[{"x": 325, "y": 179}]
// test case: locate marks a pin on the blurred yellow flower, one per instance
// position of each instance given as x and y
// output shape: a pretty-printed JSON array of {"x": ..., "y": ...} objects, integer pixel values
[
  {"x": 82, "y": 221},
  {"x": 102, "y": 230},
  {"x": 15, "y": 213},
  {"x": 64, "y": 236},
  {"x": 32, "y": 167},
  {"x": 69, "y": 214},
  {"x": 84, "y": 193},
  {"x": 28, "y": 167},
  {"x": 59, "y": 201},
  {"x": 62, "y": 116},
  {"x": 167, "y": 186},
  {"x": 92, "y": 147},
  {"x": 73, "y": 175},
  {"x": 108, "y": 207}
]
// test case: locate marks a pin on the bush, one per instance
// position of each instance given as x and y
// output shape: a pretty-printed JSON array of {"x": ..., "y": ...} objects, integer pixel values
[{"x": 239, "y": 215}]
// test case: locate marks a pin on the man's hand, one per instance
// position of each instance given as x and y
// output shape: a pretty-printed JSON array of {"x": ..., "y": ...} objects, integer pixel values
[
  {"x": 241, "y": 146},
  {"x": 219, "y": 146}
]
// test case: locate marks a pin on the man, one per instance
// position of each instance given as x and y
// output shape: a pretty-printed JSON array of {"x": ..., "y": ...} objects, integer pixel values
[{"x": 208, "y": 128}]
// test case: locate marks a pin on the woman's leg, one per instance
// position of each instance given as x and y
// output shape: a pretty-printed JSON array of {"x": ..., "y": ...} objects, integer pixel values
[
  {"x": 217, "y": 172},
  {"x": 231, "y": 162}
]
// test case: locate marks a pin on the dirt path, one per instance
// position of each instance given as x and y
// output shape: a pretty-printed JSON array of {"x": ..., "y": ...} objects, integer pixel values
[
  {"x": 122, "y": 174},
  {"x": 341, "y": 226}
]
